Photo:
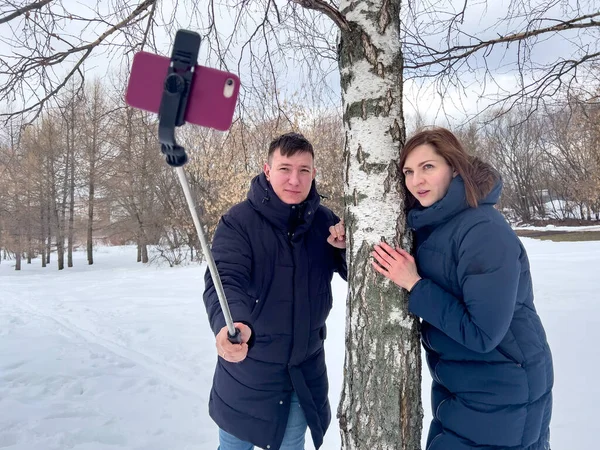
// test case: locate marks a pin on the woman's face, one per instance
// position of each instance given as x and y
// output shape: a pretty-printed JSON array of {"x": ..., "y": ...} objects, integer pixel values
[{"x": 427, "y": 175}]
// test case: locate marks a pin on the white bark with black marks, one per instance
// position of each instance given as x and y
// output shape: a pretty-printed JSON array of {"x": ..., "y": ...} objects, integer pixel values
[{"x": 380, "y": 406}]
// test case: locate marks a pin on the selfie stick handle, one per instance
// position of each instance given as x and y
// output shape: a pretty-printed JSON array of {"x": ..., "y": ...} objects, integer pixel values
[{"x": 178, "y": 83}]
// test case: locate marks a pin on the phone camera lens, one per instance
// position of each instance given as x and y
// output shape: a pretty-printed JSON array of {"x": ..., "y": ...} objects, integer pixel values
[{"x": 229, "y": 88}]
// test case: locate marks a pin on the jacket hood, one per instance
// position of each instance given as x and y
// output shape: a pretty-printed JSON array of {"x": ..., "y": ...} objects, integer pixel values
[
  {"x": 264, "y": 200},
  {"x": 453, "y": 203}
]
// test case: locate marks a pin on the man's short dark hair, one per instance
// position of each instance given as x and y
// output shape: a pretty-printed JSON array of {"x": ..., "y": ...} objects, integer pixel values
[{"x": 289, "y": 144}]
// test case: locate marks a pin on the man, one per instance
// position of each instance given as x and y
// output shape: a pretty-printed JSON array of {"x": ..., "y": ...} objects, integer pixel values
[{"x": 276, "y": 253}]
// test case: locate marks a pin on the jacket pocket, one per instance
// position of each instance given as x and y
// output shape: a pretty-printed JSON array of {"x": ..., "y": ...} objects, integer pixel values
[
  {"x": 263, "y": 339},
  {"x": 509, "y": 356}
]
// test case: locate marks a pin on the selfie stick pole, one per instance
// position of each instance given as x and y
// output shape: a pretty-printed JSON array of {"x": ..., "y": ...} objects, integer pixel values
[{"x": 171, "y": 114}]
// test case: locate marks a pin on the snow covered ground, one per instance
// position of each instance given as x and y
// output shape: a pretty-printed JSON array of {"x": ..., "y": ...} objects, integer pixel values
[
  {"x": 563, "y": 209},
  {"x": 119, "y": 356},
  {"x": 551, "y": 228}
]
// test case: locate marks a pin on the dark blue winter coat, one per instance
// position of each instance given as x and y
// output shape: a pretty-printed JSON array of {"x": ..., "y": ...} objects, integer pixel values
[
  {"x": 485, "y": 344},
  {"x": 276, "y": 268}
]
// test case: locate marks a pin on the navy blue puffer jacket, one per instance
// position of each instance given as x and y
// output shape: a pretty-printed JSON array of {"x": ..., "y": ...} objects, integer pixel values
[
  {"x": 485, "y": 344},
  {"x": 276, "y": 268}
]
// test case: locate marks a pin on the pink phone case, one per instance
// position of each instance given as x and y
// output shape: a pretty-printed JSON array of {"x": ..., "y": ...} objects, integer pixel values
[{"x": 207, "y": 105}]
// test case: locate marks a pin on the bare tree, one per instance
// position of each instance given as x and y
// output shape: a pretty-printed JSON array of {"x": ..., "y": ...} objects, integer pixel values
[
  {"x": 326, "y": 134},
  {"x": 515, "y": 146},
  {"x": 47, "y": 34},
  {"x": 49, "y": 140},
  {"x": 524, "y": 52},
  {"x": 34, "y": 164},
  {"x": 571, "y": 147},
  {"x": 96, "y": 152},
  {"x": 136, "y": 164},
  {"x": 70, "y": 108},
  {"x": 14, "y": 190}
]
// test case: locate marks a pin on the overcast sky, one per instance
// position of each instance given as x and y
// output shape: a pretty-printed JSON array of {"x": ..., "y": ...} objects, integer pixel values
[{"x": 480, "y": 20}]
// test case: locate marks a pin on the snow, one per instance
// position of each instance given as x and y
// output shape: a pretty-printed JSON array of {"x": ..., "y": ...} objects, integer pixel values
[
  {"x": 559, "y": 228},
  {"x": 562, "y": 209},
  {"x": 120, "y": 356}
]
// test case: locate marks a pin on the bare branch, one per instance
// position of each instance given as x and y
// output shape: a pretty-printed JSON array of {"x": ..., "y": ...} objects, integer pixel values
[
  {"x": 463, "y": 51},
  {"x": 536, "y": 53},
  {"x": 39, "y": 63},
  {"x": 24, "y": 10},
  {"x": 327, "y": 9},
  {"x": 149, "y": 26}
]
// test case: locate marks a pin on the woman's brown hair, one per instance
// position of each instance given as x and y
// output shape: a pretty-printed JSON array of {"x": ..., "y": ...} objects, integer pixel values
[{"x": 478, "y": 176}]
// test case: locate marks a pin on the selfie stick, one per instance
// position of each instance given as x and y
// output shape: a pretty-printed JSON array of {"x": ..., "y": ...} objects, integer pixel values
[{"x": 178, "y": 83}]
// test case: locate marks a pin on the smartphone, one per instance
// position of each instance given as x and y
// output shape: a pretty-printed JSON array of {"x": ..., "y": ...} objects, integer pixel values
[{"x": 212, "y": 98}]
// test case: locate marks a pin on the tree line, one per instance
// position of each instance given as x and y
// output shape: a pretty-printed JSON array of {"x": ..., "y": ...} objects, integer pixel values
[
  {"x": 549, "y": 160},
  {"x": 89, "y": 171}
]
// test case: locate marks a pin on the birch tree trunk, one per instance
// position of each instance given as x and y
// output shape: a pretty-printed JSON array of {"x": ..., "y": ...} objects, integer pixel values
[
  {"x": 71, "y": 228},
  {"x": 18, "y": 254},
  {"x": 63, "y": 205},
  {"x": 380, "y": 406},
  {"x": 71, "y": 152},
  {"x": 29, "y": 227},
  {"x": 48, "y": 231},
  {"x": 91, "y": 193},
  {"x": 143, "y": 194},
  {"x": 60, "y": 238},
  {"x": 96, "y": 125},
  {"x": 43, "y": 228},
  {"x": 56, "y": 208},
  {"x": 92, "y": 154}
]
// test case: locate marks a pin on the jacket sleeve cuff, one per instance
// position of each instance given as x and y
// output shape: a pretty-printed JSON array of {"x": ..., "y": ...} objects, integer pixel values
[
  {"x": 419, "y": 303},
  {"x": 239, "y": 313},
  {"x": 415, "y": 285},
  {"x": 252, "y": 336}
]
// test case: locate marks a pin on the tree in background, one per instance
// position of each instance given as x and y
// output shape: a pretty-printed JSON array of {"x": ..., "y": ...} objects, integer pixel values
[
  {"x": 96, "y": 151},
  {"x": 572, "y": 138},
  {"x": 501, "y": 54},
  {"x": 516, "y": 152}
]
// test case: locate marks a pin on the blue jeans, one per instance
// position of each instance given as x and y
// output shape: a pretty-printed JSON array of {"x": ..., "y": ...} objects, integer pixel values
[{"x": 293, "y": 439}]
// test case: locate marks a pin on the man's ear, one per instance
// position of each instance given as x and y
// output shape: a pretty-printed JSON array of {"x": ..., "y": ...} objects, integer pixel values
[
  {"x": 314, "y": 174},
  {"x": 267, "y": 170}
]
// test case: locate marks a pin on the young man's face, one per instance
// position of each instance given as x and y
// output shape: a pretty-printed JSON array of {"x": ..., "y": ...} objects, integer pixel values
[{"x": 291, "y": 176}]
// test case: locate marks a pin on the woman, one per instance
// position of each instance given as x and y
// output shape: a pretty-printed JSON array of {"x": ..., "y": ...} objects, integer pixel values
[{"x": 485, "y": 344}]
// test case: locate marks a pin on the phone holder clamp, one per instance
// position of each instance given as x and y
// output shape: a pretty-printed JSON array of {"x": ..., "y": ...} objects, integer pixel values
[{"x": 177, "y": 87}]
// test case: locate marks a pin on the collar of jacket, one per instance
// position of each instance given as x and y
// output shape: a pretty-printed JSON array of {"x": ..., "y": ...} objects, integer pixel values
[
  {"x": 453, "y": 203},
  {"x": 263, "y": 199}
]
